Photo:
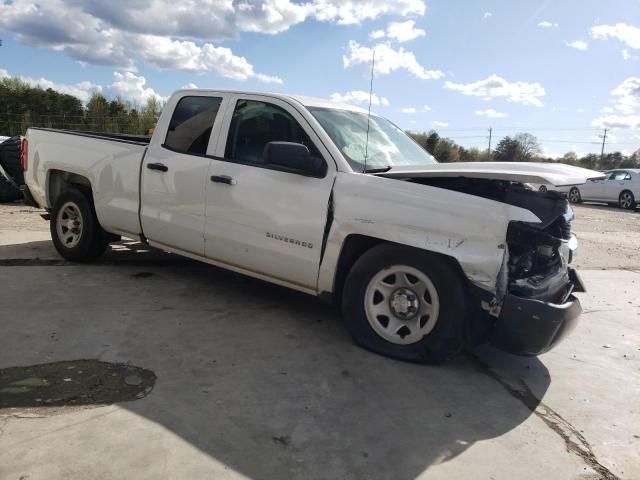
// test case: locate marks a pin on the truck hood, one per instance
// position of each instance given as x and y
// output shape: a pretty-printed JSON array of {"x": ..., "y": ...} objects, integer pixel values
[{"x": 556, "y": 174}]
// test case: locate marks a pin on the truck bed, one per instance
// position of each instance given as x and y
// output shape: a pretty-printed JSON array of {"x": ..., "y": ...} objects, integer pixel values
[
  {"x": 118, "y": 137},
  {"x": 109, "y": 162}
]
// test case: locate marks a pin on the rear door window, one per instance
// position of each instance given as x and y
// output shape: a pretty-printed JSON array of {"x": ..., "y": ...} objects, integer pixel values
[{"x": 191, "y": 124}]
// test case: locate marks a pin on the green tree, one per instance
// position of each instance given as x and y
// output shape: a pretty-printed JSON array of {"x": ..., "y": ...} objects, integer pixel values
[
  {"x": 97, "y": 112},
  {"x": 507, "y": 150}
]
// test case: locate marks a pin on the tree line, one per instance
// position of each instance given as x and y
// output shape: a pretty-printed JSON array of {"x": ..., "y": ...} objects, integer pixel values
[
  {"x": 23, "y": 106},
  {"x": 522, "y": 147}
]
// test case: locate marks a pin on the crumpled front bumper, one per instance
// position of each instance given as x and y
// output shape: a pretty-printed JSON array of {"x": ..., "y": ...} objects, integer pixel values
[{"x": 532, "y": 327}]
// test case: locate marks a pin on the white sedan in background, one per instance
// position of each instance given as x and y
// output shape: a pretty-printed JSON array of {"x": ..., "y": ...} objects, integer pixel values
[{"x": 620, "y": 186}]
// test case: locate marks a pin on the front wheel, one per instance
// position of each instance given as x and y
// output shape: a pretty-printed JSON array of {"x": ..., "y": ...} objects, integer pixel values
[
  {"x": 75, "y": 230},
  {"x": 574, "y": 195},
  {"x": 405, "y": 303},
  {"x": 626, "y": 200}
]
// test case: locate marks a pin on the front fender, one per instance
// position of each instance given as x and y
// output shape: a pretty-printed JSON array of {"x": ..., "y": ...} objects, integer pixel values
[{"x": 465, "y": 227}]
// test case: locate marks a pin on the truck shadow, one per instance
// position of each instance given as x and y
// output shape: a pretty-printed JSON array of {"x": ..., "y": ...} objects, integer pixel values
[{"x": 260, "y": 378}]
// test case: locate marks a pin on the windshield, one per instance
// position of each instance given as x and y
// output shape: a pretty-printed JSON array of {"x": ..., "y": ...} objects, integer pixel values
[{"x": 388, "y": 145}]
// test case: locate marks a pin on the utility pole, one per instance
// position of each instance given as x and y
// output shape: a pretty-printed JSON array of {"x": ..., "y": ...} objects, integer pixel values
[
  {"x": 604, "y": 139},
  {"x": 490, "y": 133}
]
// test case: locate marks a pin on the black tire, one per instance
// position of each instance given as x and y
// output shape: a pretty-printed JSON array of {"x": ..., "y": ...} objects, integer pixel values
[
  {"x": 543, "y": 188},
  {"x": 574, "y": 195},
  {"x": 92, "y": 240},
  {"x": 10, "y": 159},
  {"x": 626, "y": 200},
  {"x": 8, "y": 193},
  {"x": 447, "y": 336}
]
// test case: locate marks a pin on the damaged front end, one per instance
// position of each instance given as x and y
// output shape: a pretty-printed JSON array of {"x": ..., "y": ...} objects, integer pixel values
[
  {"x": 534, "y": 306},
  {"x": 537, "y": 306}
]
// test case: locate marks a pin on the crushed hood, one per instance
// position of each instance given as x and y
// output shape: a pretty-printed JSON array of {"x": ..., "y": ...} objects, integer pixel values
[{"x": 556, "y": 174}]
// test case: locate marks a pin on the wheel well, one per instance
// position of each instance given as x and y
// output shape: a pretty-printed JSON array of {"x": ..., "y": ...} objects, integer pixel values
[
  {"x": 60, "y": 181},
  {"x": 357, "y": 245},
  {"x": 626, "y": 190}
]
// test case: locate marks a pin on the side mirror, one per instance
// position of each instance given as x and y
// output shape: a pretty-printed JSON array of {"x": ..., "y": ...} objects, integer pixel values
[{"x": 292, "y": 156}]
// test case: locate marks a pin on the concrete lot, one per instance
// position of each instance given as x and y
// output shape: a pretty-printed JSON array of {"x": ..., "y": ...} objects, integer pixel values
[{"x": 254, "y": 381}]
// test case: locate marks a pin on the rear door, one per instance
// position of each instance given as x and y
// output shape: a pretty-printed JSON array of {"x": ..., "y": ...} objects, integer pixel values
[
  {"x": 266, "y": 220},
  {"x": 592, "y": 189},
  {"x": 174, "y": 173},
  {"x": 615, "y": 184}
]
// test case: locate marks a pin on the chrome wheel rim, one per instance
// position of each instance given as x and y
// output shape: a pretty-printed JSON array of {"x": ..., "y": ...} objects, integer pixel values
[
  {"x": 574, "y": 195},
  {"x": 401, "y": 304},
  {"x": 625, "y": 200},
  {"x": 69, "y": 225}
]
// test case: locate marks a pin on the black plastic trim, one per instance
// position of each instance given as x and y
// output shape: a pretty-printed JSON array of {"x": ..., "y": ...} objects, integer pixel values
[
  {"x": 531, "y": 327},
  {"x": 250, "y": 164}
]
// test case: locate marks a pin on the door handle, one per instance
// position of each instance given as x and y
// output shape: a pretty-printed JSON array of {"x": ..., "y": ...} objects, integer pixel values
[
  {"x": 226, "y": 179},
  {"x": 161, "y": 167}
]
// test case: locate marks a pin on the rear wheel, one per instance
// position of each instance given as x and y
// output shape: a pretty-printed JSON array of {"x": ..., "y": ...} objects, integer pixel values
[
  {"x": 75, "y": 230},
  {"x": 406, "y": 304},
  {"x": 574, "y": 195},
  {"x": 543, "y": 188},
  {"x": 626, "y": 200}
]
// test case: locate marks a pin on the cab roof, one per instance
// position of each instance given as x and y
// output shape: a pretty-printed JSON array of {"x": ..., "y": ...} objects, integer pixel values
[{"x": 300, "y": 99}]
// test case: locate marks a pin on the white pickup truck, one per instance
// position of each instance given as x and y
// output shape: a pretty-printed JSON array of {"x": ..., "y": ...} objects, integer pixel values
[{"x": 424, "y": 258}]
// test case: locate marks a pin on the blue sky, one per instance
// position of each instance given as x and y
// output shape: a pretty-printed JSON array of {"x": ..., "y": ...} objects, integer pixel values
[{"x": 562, "y": 70}]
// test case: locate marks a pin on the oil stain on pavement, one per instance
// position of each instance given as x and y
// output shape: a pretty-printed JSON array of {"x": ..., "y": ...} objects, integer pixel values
[{"x": 53, "y": 388}]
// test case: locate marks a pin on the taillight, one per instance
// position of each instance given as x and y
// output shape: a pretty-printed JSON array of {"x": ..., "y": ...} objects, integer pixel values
[{"x": 24, "y": 147}]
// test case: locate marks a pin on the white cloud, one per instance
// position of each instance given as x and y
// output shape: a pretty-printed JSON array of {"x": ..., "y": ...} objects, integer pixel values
[
  {"x": 163, "y": 34},
  {"x": 197, "y": 19},
  {"x": 437, "y": 123},
  {"x": 627, "y": 34},
  {"x": 268, "y": 78},
  {"x": 359, "y": 96},
  {"x": 626, "y": 101},
  {"x": 627, "y": 95},
  {"x": 490, "y": 113},
  {"x": 400, "y": 31},
  {"x": 547, "y": 24},
  {"x": 132, "y": 87},
  {"x": 387, "y": 60},
  {"x": 412, "y": 110},
  {"x": 495, "y": 86},
  {"x": 487, "y": 15},
  {"x": 617, "y": 121},
  {"x": 577, "y": 44},
  {"x": 353, "y": 12},
  {"x": 127, "y": 85},
  {"x": 81, "y": 90}
]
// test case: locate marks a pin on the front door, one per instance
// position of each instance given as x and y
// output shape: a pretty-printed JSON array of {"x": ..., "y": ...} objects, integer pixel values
[
  {"x": 174, "y": 173},
  {"x": 261, "y": 218}
]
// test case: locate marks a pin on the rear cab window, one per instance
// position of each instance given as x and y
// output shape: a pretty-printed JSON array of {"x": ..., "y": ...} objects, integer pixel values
[{"x": 191, "y": 124}]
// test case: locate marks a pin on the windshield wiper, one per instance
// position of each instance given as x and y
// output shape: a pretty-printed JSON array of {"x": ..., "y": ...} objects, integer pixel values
[{"x": 377, "y": 170}]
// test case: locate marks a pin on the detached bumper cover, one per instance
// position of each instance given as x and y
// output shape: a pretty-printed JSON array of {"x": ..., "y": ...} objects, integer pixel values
[{"x": 532, "y": 327}]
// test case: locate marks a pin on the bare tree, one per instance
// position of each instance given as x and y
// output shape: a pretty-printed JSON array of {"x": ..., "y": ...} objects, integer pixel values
[{"x": 529, "y": 146}]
